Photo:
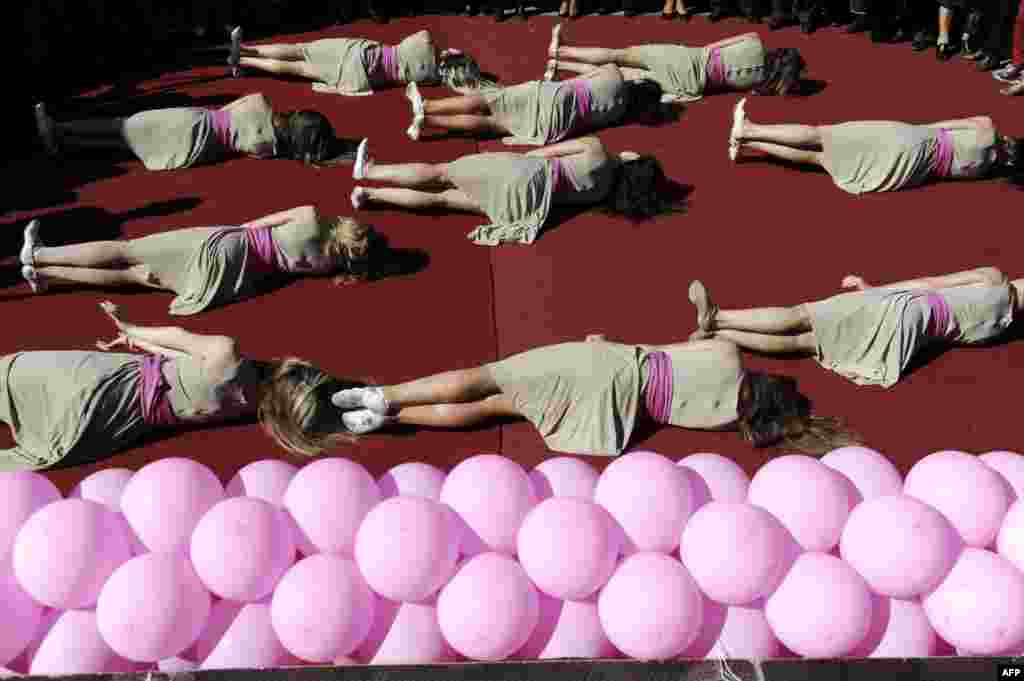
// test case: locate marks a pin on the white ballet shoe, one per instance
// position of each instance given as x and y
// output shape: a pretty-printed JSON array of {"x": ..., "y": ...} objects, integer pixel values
[
  {"x": 412, "y": 93},
  {"x": 30, "y": 244},
  {"x": 371, "y": 398},
  {"x": 364, "y": 421},
  {"x": 359, "y": 167},
  {"x": 235, "y": 58},
  {"x": 45, "y": 128},
  {"x": 413, "y": 131},
  {"x": 360, "y": 195},
  {"x": 551, "y": 70},
  {"x": 706, "y": 309},
  {"x": 739, "y": 117},
  {"x": 556, "y": 41},
  {"x": 35, "y": 281}
]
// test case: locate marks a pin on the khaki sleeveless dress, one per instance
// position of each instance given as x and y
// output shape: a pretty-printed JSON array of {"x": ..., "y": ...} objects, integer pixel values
[
  {"x": 72, "y": 407},
  {"x": 169, "y": 139},
  {"x": 683, "y": 71},
  {"x": 543, "y": 112},
  {"x": 340, "y": 63},
  {"x": 585, "y": 398},
  {"x": 211, "y": 266},
  {"x": 870, "y": 337},
  {"x": 879, "y": 156}
]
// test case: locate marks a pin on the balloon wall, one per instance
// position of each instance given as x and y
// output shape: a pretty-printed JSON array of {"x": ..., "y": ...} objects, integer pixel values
[{"x": 652, "y": 559}]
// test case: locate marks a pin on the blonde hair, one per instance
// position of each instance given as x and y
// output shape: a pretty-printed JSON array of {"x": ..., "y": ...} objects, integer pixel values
[
  {"x": 295, "y": 408},
  {"x": 819, "y": 435},
  {"x": 345, "y": 236}
]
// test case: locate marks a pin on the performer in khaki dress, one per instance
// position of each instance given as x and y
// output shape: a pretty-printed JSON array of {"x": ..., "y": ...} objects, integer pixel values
[
  {"x": 355, "y": 66},
  {"x": 71, "y": 408},
  {"x": 542, "y": 112},
  {"x": 181, "y": 137},
  {"x": 882, "y": 156},
  {"x": 208, "y": 266},
  {"x": 686, "y": 74},
  {"x": 517, "y": 191},
  {"x": 871, "y": 335},
  {"x": 587, "y": 397}
]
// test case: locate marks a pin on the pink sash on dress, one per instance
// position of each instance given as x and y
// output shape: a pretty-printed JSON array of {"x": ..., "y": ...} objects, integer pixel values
[
  {"x": 717, "y": 79},
  {"x": 263, "y": 256},
  {"x": 383, "y": 66},
  {"x": 938, "y": 325},
  {"x": 222, "y": 129},
  {"x": 660, "y": 384},
  {"x": 156, "y": 405},
  {"x": 943, "y": 155}
]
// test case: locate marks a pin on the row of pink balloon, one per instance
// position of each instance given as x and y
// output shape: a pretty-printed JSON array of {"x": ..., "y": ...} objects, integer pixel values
[{"x": 649, "y": 559}]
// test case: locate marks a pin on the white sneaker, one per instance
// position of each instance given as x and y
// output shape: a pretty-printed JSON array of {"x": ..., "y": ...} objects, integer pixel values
[
  {"x": 35, "y": 282},
  {"x": 30, "y": 244},
  {"x": 371, "y": 398},
  {"x": 359, "y": 197},
  {"x": 359, "y": 167},
  {"x": 413, "y": 131},
  {"x": 739, "y": 117},
  {"x": 364, "y": 421},
  {"x": 412, "y": 93}
]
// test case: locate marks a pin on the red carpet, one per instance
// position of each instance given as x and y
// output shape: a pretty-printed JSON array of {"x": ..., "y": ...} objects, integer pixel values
[{"x": 757, "y": 233}]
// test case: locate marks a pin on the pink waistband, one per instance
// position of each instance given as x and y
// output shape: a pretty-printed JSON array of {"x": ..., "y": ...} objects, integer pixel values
[
  {"x": 658, "y": 394},
  {"x": 263, "y": 256},
  {"x": 944, "y": 155},
  {"x": 384, "y": 66},
  {"x": 222, "y": 126},
  {"x": 584, "y": 101},
  {"x": 938, "y": 326},
  {"x": 716, "y": 70},
  {"x": 156, "y": 406}
]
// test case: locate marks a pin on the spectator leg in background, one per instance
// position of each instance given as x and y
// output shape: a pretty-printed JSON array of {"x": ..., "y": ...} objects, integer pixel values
[{"x": 861, "y": 11}]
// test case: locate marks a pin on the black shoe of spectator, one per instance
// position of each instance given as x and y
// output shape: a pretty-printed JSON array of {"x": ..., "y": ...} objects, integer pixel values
[
  {"x": 859, "y": 24},
  {"x": 922, "y": 41},
  {"x": 807, "y": 24},
  {"x": 777, "y": 21},
  {"x": 472, "y": 9},
  {"x": 945, "y": 51},
  {"x": 716, "y": 15},
  {"x": 989, "y": 62}
]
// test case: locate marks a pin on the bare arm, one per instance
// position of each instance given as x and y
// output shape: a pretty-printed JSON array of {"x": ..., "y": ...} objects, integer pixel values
[
  {"x": 214, "y": 351},
  {"x": 242, "y": 102},
  {"x": 284, "y": 217},
  {"x": 123, "y": 341},
  {"x": 987, "y": 276},
  {"x": 963, "y": 123},
  {"x": 569, "y": 147}
]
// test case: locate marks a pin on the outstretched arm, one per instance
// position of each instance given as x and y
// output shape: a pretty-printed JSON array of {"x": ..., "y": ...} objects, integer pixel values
[
  {"x": 987, "y": 276},
  {"x": 569, "y": 147},
  {"x": 283, "y": 217},
  {"x": 214, "y": 351},
  {"x": 245, "y": 101},
  {"x": 963, "y": 123}
]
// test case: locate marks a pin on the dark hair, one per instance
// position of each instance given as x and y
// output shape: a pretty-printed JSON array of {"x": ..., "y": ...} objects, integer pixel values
[
  {"x": 783, "y": 68},
  {"x": 304, "y": 136},
  {"x": 644, "y": 100},
  {"x": 772, "y": 410},
  {"x": 459, "y": 71},
  {"x": 637, "y": 192}
]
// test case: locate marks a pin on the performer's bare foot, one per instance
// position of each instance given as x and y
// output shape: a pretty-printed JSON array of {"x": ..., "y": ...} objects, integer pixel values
[
  {"x": 412, "y": 92},
  {"x": 360, "y": 196},
  {"x": 556, "y": 41},
  {"x": 706, "y": 309},
  {"x": 46, "y": 129},
  {"x": 551, "y": 70},
  {"x": 739, "y": 118},
  {"x": 853, "y": 281}
]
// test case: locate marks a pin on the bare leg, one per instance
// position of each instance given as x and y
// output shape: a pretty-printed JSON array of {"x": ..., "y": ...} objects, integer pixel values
[
  {"x": 461, "y": 385},
  {"x": 790, "y": 135},
  {"x": 771, "y": 320},
  {"x": 733, "y": 40},
  {"x": 131, "y": 276},
  {"x": 279, "y": 52},
  {"x": 464, "y": 122},
  {"x": 466, "y": 104},
  {"x": 89, "y": 254},
  {"x": 300, "y": 69},
  {"x": 408, "y": 174},
  {"x": 1018, "y": 285},
  {"x": 598, "y": 56},
  {"x": 452, "y": 199},
  {"x": 787, "y": 153},
  {"x": 463, "y": 415},
  {"x": 573, "y": 66},
  {"x": 770, "y": 344}
]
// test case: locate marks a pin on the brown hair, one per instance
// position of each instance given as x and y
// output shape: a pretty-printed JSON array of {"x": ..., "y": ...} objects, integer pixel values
[
  {"x": 295, "y": 408},
  {"x": 773, "y": 411},
  {"x": 346, "y": 239}
]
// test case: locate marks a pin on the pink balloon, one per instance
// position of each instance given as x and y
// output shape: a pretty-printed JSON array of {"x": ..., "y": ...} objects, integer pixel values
[
  {"x": 492, "y": 495},
  {"x": 222, "y": 614},
  {"x": 971, "y": 495},
  {"x": 1010, "y": 541},
  {"x": 567, "y": 629},
  {"x": 651, "y": 609},
  {"x": 166, "y": 498},
  {"x": 870, "y": 472},
  {"x": 822, "y": 608},
  {"x": 971, "y": 608},
  {"x": 22, "y": 493},
  {"x": 322, "y": 608},
  {"x": 650, "y": 497},
  {"x": 907, "y": 632},
  {"x": 725, "y": 479},
  {"x": 405, "y": 633},
  {"x": 901, "y": 546},
  {"x": 712, "y": 621},
  {"x": 241, "y": 548},
  {"x": 489, "y": 609},
  {"x": 737, "y": 553},
  {"x": 21, "y": 619},
  {"x": 267, "y": 480},
  {"x": 746, "y": 635},
  {"x": 329, "y": 499},
  {"x": 564, "y": 476},
  {"x": 568, "y": 547},
  {"x": 406, "y": 547},
  {"x": 74, "y": 646},
  {"x": 152, "y": 607},
  {"x": 66, "y": 551},
  {"x": 413, "y": 479},
  {"x": 812, "y": 500},
  {"x": 23, "y": 661},
  {"x": 104, "y": 487},
  {"x": 249, "y": 643},
  {"x": 1008, "y": 464}
]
